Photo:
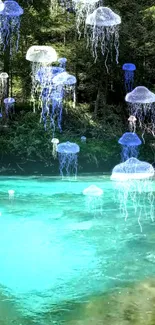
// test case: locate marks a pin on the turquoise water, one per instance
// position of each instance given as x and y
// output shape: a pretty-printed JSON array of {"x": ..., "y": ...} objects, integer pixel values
[{"x": 58, "y": 246}]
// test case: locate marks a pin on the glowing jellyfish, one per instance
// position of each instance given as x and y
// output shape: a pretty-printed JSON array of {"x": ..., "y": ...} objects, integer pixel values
[
  {"x": 142, "y": 105},
  {"x": 3, "y": 84},
  {"x": 2, "y": 5},
  {"x": 55, "y": 142},
  {"x": 9, "y": 106},
  {"x": 39, "y": 56},
  {"x": 10, "y": 24},
  {"x": 11, "y": 194},
  {"x": 94, "y": 197},
  {"x": 62, "y": 62},
  {"x": 68, "y": 158},
  {"x": 129, "y": 142},
  {"x": 83, "y": 8},
  {"x": 133, "y": 182},
  {"x": 129, "y": 69},
  {"x": 132, "y": 123},
  {"x": 67, "y": 82},
  {"x": 103, "y": 28},
  {"x": 83, "y": 139}
]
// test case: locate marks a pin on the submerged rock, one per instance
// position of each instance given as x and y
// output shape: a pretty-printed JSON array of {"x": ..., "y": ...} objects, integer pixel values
[{"x": 129, "y": 306}]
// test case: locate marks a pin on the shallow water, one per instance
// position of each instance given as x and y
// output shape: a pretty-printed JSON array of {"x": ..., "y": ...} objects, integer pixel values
[{"x": 59, "y": 248}]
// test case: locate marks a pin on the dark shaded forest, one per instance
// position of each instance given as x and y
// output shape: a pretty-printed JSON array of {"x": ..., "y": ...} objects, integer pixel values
[{"x": 101, "y": 113}]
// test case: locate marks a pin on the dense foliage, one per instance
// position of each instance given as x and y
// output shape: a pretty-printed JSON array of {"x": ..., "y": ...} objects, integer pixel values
[{"x": 101, "y": 114}]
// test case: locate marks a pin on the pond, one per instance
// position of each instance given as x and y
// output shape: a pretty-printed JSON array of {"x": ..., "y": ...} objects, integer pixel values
[{"x": 61, "y": 250}]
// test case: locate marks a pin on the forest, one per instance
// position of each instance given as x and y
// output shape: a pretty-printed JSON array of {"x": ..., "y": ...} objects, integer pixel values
[{"x": 101, "y": 113}]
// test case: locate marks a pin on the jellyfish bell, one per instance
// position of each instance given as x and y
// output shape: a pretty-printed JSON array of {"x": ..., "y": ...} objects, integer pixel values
[
  {"x": 9, "y": 105},
  {"x": 4, "y": 75},
  {"x": 12, "y": 9},
  {"x": 103, "y": 24},
  {"x": 130, "y": 139},
  {"x": 2, "y": 5},
  {"x": 132, "y": 119},
  {"x": 140, "y": 95},
  {"x": 9, "y": 100},
  {"x": 64, "y": 78},
  {"x": 132, "y": 169},
  {"x": 93, "y": 190},
  {"x": 129, "y": 67},
  {"x": 83, "y": 139},
  {"x": 55, "y": 142},
  {"x": 67, "y": 153},
  {"x": 11, "y": 194},
  {"x": 68, "y": 148},
  {"x": 62, "y": 62},
  {"x": 41, "y": 54},
  {"x": 103, "y": 16},
  {"x": 129, "y": 142}
]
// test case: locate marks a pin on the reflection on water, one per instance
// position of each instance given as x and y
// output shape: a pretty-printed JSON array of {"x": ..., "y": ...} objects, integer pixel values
[{"x": 62, "y": 263}]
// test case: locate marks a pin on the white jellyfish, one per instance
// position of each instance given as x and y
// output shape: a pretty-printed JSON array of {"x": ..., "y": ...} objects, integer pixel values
[
  {"x": 3, "y": 84},
  {"x": 2, "y": 5},
  {"x": 103, "y": 28},
  {"x": 39, "y": 56},
  {"x": 133, "y": 184},
  {"x": 132, "y": 123},
  {"x": 11, "y": 194},
  {"x": 93, "y": 198},
  {"x": 55, "y": 142},
  {"x": 142, "y": 105},
  {"x": 82, "y": 9}
]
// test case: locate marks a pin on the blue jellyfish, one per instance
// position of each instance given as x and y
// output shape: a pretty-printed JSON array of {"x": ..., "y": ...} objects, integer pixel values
[
  {"x": 68, "y": 158},
  {"x": 83, "y": 139},
  {"x": 62, "y": 62},
  {"x": 133, "y": 183},
  {"x": 128, "y": 69},
  {"x": 141, "y": 103},
  {"x": 130, "y": 142},
  {"x": 10, "y": 24},
  {"x": 9, "y": 106}
]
